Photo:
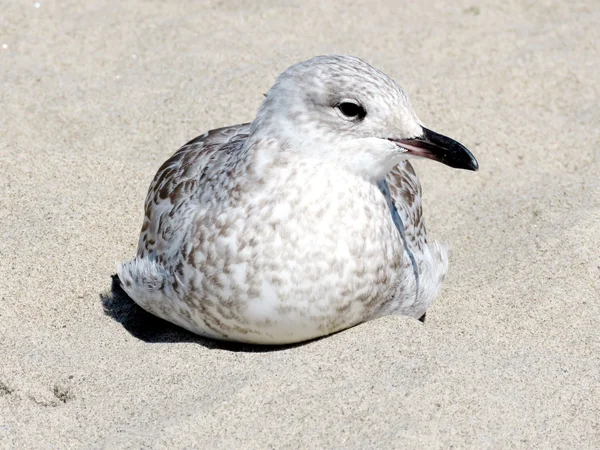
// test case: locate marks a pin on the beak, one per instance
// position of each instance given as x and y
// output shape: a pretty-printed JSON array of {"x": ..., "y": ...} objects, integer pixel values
[{"x": 440, "y": 148}]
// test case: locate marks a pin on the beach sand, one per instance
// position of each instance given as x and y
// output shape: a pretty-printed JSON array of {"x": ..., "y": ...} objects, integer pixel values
[{"x": 95, "y": 95}]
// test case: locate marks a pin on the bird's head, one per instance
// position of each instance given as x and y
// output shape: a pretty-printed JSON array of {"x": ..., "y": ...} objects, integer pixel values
[{"x": 343, "y": 110}]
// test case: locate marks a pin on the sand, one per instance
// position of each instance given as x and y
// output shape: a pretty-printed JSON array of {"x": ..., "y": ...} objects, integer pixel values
[{"x": 95, "y": 95}]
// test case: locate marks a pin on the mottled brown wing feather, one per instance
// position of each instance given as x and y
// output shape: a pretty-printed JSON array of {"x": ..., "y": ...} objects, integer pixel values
[
  {"x": 405, "y": 190},
  {"x": 176, "y": 182}
]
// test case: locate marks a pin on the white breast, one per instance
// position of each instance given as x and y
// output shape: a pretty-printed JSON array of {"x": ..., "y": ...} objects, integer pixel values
[{"x": 307, "y": 253}]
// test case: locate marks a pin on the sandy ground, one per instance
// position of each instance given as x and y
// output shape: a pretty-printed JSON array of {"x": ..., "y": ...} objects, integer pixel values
[{"x": 96, "y": 94}]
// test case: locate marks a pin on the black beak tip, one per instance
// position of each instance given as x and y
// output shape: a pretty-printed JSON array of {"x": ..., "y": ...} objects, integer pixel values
[
  {"x": 473, "y": 165},
  {"x": 464, "y": 159},
  {"x": 460, "y": 158}
]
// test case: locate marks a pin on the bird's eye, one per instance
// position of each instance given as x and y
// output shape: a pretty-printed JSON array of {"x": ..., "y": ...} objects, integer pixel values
[{"x": 352, "y": 110}]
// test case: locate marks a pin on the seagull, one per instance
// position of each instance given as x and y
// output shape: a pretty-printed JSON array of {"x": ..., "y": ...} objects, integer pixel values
[{"x": 304, "y": 222}]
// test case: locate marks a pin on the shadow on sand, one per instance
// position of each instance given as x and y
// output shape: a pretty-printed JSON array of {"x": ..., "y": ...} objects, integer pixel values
[{"x": 149, "y": 328}]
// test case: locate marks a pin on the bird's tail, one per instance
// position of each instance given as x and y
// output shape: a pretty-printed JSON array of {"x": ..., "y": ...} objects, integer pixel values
[{"x": 147, "y": 282}]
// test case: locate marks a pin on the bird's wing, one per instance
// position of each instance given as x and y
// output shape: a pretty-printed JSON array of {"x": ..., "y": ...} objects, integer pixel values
[
  {"x": 177, "y": 181},
  {"x": 405, "y": 191},
  {"x": 402, "y": 190}
]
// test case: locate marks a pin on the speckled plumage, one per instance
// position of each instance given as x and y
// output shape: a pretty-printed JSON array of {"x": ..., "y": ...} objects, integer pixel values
[{"x": 279, "y": 230}]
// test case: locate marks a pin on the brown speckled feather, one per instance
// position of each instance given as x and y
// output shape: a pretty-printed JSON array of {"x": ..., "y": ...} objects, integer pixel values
[
  {"x": 405, "y": 190},
  {"x": 176, "y": 183}
]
